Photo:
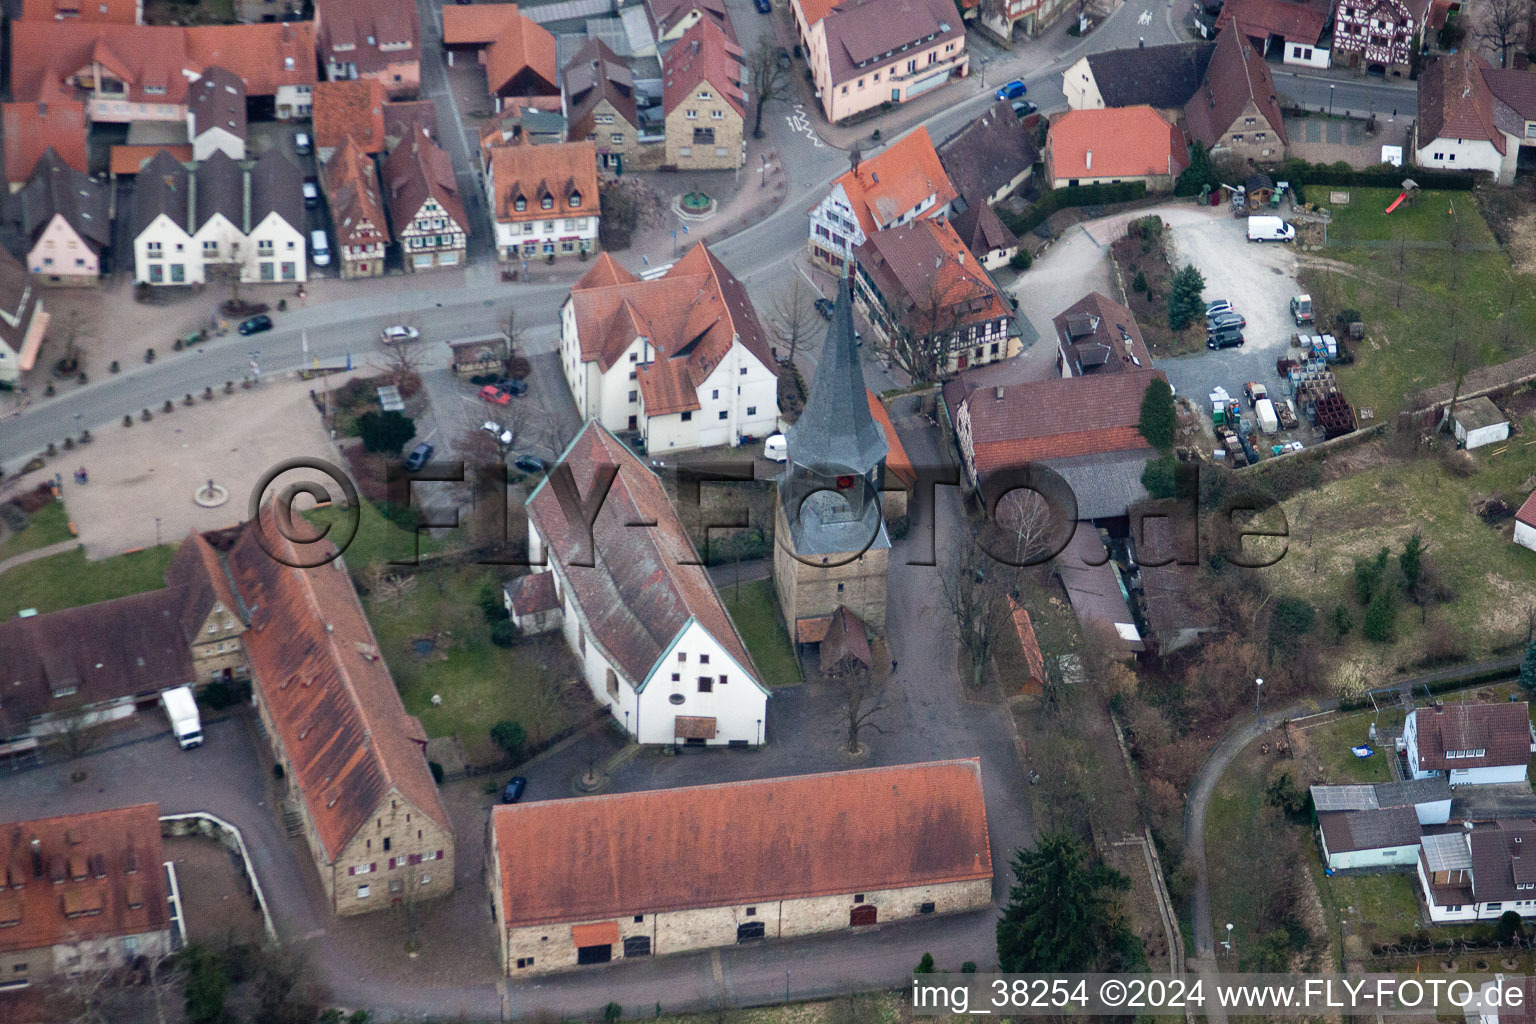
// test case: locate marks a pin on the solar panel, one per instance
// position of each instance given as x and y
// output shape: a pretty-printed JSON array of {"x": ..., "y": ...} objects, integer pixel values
[
  {"x": 1447, "y": 852},
  {"x": 1344, "y": 798}
]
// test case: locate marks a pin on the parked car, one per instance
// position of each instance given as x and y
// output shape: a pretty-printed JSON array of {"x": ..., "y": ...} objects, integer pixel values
[
  {"x": 1218, "y": 306},
  {"x": 256, "y": 324},
  {"x": 825, "y": 307},
  {"x": 512, "y": 386},
  {"x": 418, "y": 457},
  {"x": 1218, "y": 321},
  {"x": 763, "y": 6},
  {"x": 311, "y": 194},
  {"x": 1011, "y": 90},
  {"x": 399, "y": 333},
  {"x": 529, "y": 463},
  {"x": 1023, "y": 108},
  {"x": 1227, "y": 337},
  {"x": 513, "y": 791},
  {"x": 499, "y": 432},
  {"x": 301, "y": 143},
  {"x": 783, "y": 56},
  {"x": 491, "y": 393}
]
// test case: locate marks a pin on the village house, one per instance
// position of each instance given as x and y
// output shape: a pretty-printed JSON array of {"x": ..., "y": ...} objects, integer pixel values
[
  {"x": 126, "y": 74},
  {"x": 518, "y": 53},
  {"x": 532, "y": 603},
  {"x": 1379, "y": 34},
  {"x": 703, "y": 100},
  {"x": 162, "y": 224},
  {"x": 671, "y": 19},
  {"x": 1473, "y": 116},
  {"x": 1525, "y": 523},
  {"x": 23, "y": 323},
  {"x": 866, "y": 54},
  {"x": 638, "y": 610},
  {"x": 1295, "y": 29},
  {"x": 1359, "y": 840},
  {"x": 1161, "y": 77},
  {"x": 276, "y": 245},
  {"x": 374, "y": 39},
  {"x": 352, "y": 110},
  {"x": 989, "y": 158},
  {"x": 217, "y": 220},
  {"x": 923, "y": 291},
  {"x": 65, "y": 222},
  {"x": 576, "y": 882},
  {"x": 985, "y": 235},
  {"x": 216, "y": 115},
  {"x": 1031, "y": 17},
  {"x": 34, "y": 127},
  {"x": 682, "y": 359},
  {"x": 1469, "y": 744},
  {"x": 1479, "y": 874},
  {"x": 351, "y": 183},
  {"x": 81, "y": 892},
  {"x": 423, "y": 197},
  {"x": 1112, "y": 145},
  {"x": 1096, "y": 334},
  {"x": 600, "y": 107},
  {"x": 354, "y": 762},
  {"x": 904, "y": 181},
  {"x": 1236, "y": 109},
  {"x": 543, "y": 199},
  {"x": 1477, "y": 421}
]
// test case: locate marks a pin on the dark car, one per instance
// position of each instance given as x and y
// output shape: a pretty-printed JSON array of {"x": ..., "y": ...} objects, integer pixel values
[
  {"x": 1023, "y": 108},
  {"x": 513, "y": 792},
  {"x": 418, "y": 457},
  {"x": 825, "y": 307},
  {"x": 1222, "y": 321},
  {"x": 1229, "y": 337},
  {"x": 1012, "y": 90},
  {"x": 512, "y": 386},
  {"x": 529, "y": 463},
  {"x": 783, "y": 57},
  {"x": 256, "y": 324},
  {"x": 763, "y": 6}
]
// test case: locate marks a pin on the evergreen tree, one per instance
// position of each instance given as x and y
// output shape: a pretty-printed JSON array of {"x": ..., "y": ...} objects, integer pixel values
[
  {"x": 1159, "y": 419},
  {"x": 1186, "y": 297},
  {"x": 1528, "y": 667},
  {"x": 1061, "y": 913}
]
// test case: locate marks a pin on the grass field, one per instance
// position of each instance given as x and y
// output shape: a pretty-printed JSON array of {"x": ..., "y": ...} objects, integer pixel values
[
  {"x": 67, "y": 580},
  {"x": 754, "y": 608},
  {"x": 1328, "y": 748},
  {"x": 49, "y": 525},
  {"x": 1228, "y": 819},
  {"x": 1364, "y": 217},
  {"x": 377, "y": 540}
]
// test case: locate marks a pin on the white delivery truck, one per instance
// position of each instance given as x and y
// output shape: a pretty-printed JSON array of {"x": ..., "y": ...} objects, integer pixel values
[
  {"x": 1264, "y": 409},
  {"x": 181, "y": 709},
  {"x": 1269, "y": 229}
]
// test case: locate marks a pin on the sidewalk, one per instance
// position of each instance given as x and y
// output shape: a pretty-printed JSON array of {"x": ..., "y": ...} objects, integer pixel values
[{"x": 36, "y": 553}]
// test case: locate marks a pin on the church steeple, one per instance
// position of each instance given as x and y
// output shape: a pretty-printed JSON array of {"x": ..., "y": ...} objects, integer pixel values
[{"x": 836, "y": 430}]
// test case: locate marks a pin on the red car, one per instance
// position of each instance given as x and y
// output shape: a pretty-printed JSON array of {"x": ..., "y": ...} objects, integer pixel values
[{"x": 491, "y": 393}]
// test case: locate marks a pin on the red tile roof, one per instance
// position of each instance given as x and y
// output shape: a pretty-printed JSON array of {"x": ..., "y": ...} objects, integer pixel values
[
  {"x": 862, "y": 35},
  {"x": 352, "y": 185},
  {"x": 928, "y": 277},
  {"x": 1024, "y": 633},
  {"x": 1455, "y": 101},
  {"x": 1527, "y": 513},
  {"x": 131, "y": 159},
  {"x": 417, "y": 170},
  {"x": 30, "y": 128},
  {"x": 645, "y": 584},
  {"x": 1235, "y": 77},
  {"x": 827, "y": 834},
  {"x": 317, "y": 668},
  {"x": 1295, "y": 22},
  {"x": 354, "y": 108},
  {"x": 1102, "y": 336},
  {"x": 665, "y": 15},
  {"x": 476, "y": 24},
  {"x": 266, "y": 55},
  {"x": 896, "y": 460},
  {"x": 605, "y": 272},
  {"x": 534, "y": 593},
  {"x": 704, "y": 54},
  {"x": 81, "y": 877},
  {"x": 85, "y": 12},
  {"x": 885, "y": 186},
  {"x": 365, "y": 26},
  {"x": 665, "y": 387},
  {"x": 563, "y": 171},
  {"x": 1502, "y": 731},
  {"x": 517, "y": 45},
  {"x": 1115, "y": 142}
]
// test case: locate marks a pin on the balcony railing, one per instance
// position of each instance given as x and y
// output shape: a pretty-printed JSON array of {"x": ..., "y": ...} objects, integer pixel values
[{"x": 925, "y": 70}]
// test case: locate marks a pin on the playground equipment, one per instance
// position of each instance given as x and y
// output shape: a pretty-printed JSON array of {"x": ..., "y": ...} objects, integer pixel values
[{"x": 1409, "y": 194}]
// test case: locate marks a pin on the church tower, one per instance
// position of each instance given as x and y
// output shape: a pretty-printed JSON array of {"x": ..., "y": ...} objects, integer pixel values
[{"x": 831, "y": 549}]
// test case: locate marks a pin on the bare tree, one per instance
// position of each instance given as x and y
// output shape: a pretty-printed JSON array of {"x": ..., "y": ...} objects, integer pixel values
[
  {"x": 977, "y": 605},
  {"x": 77, "y": 732},
  {"x": 1029, "y": 524},
  {"x": 1503, "y": 24},
  {"x": 165, "y": 975},
  {"x": 933, "y": 326},
  {"x": 513, "y": 360},
  {"x": 864, "y": 697},
  {"x": 546, "y": 697},
  {"x": 792, "y": 314},
  {"x": 85, "y": 991},
  {"x": 770, "y": 79}
]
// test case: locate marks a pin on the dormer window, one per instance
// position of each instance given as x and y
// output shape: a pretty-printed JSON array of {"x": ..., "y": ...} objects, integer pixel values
[
  {"x": 547, "y": 203},
  {"x": 519, "y": 204},
  {"x": 575, "y": 200}
]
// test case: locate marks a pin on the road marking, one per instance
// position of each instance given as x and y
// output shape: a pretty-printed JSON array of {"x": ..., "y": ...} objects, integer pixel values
[
  {"x": 808, "y": 277},
  {"x": 799, "y": 122},
  {"x": 1146, "y": 18}
]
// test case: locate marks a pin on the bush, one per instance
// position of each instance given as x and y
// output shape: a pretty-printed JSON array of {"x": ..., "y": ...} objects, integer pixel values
[
  {"x": 1139, "y": 282},
  {"x": 1021, "y": 260},
  {"x": 437, "y": 772},
  {"x": 146, "y": 416},
  {"x": 1286, "y": 790},
  {"x": 1186, "y": 299},
  {"x": 1380, "y": 622},
  {"x": 127, "y": 420},
  {"x": 385, "y": 432},
  {"x": 1160, "y": 477},
  {"x": 492, "y": 605},
  {"x": 925, "y": 965},
  {"x": 969, "y": 967},
  {"x": 1199, "y": 175},
  {"x": 114, "y": 368},
  {"x": 149, "y": 355},
  {"x": 1061, "y": 198},
  {"x": 169, "y": 406},
  {"x": 1368, "y": 576},
  {"x": 1159, "y": 420},
  {"x": 204, "y": 986},
  {"x": 612, "y": 1012},
  {"x": 502, "y": 634},
  {"x": 510, "y": 738}
]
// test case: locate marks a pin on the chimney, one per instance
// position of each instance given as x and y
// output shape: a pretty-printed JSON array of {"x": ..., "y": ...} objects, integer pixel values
[
  {"x": 997, "y": 393},
  {"x": 1439, "y": 707},
  {"x": 1090, "y": 160}
]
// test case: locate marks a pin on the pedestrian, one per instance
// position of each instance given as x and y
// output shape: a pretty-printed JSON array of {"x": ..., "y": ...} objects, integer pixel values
[{"x": 893, "y": 666}]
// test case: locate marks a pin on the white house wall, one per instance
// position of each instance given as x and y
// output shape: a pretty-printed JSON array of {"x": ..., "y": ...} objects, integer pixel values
[
  {"x": 1304, "y": 55},
  {"x": 216, "y": 139},
  {"x": 738, "y": 707},
  {"x": 1525, "y": 535},
  {"x": 1391, "y": 856},
  {"x": 229, "y": 237},
  {"x": 1081, "y": 90},
  {"x": 726, "y": 390},
  {"x": 165, "y": 231},
  {"x": 1484, "y": 435},
  {"x": 288, "y": 246},
  {"x": 1489, "y": 776},
  {"x": 72, "y": 258},
  {"x": 1434, "y": 812},
  {"x": 1463, "y": 155}
]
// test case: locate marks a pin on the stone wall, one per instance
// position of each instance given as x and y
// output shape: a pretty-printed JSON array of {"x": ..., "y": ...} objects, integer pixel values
[
  {"x": 404, "y": 854},
  {"x": 686, "y": 155},
  {"x": 807, "y": 591}
]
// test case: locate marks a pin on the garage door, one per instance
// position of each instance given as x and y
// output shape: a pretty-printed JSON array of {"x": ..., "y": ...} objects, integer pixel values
[
  {"x": 864, "y": 913},
  {"x": 421, "y": 260}
]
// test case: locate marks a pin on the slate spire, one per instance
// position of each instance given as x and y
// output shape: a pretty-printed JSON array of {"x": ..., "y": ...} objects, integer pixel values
[{"x": 836, "y": 429}]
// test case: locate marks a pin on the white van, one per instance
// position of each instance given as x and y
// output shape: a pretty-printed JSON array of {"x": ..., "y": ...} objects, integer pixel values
[
  {"x": 311, "y": 195},
  {"x": 319, "y": 248},
  {"x": 181, "y": 709},
  {"x": 776, "y": 449},
  {"x": 1269, "y": 229}
]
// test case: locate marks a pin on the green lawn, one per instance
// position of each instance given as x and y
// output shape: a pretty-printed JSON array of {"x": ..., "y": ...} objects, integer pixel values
[
  {"x": 376, "y": 539},
  {"x": 49, "y": 525},
  {"x": 479, "y": 682},
  {"x": 1228, "y": 819},
  {"x": 1329, "y": 745},
  {"x": 754, "y": 607},
  {"x": 68, "y": 580},
  {"x": 1364, "y": 217}
]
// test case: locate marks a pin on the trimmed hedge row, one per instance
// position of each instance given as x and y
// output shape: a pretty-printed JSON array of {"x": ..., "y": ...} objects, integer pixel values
[
  {"x": 1062, "y": 198},
  {"x": 1300, "y": 173}
]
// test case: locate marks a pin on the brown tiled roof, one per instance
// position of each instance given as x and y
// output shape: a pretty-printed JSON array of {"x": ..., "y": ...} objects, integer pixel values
[
  {"x": 30, "y": 129},
  {"x": 355, "y": 109},
  {"x": 220, "y": 188},
  {"x": 217, "y": 100},
  {"x": 1102, "y": 335},
  {"x": 812, "y": 630},
  {"x": 644, "y": 588},
  {"x": 1295, "y": 22},
  {"x": 99, "y": 652},
  {"x": 1052, "y": 419},
  {"x": 24, "y": 323},
  {"x": 986, "y": 154},
  {"x": 1114, "y": 142},
  {"x": 1527, "y": 513},
  {"x": 704, "y": 54},
  {"x": 265, "y": 55},
  {"x": 401, "y": 116},
  {"x": 846, "y": 638},
  {"x": 475, "y": 24},
  {"x": 874, "y": 32},
  {"x": 692, "y": 315},
  {"x": 928, "y": 278},
  {"x": 885, "y": 186},
  {"x": 1455, "y": 101},
  {"x": 666, "y": 14},
  {"x": 897, "y": 462},
  {"x": 199, "y": 573},
  {"x": 352, "y": 186},
  {"x": 522, "y": 60},
  {"x": 366, "y": 25},
  {"x": 1235, "y": 76},
  {"x": 982, "y": 231},
  {"x": 534, "y": 593},
  {"x": 595, "y": 74},
  {"x": 1029, "y": 645},
  {"x": 1514, "y": 98},
  {"x": 57, "y": 189},
  {"x": 317, "y": 668},
  {"x": 417, "y": 170},
  {"x": 131, "y": 159},
  {"x": 561, "y": 170},
  {"x": 1354, "y": 831},
  {"x": 85, "y": 12},
  {"x": 1503, "y": 730},
  {"x": 82, "y": 877},
  {"x": 1503, "y": 859},
  {"x": 814, "y": 10},
  {"x": 1164, "y": 77},
  {"x": 734, "y": 843}
]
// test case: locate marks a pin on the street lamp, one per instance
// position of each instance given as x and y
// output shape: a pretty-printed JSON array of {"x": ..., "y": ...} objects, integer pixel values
[
  {"x": 1230, "y": 950},
  {"x": 157, "y": 531},
  {"x": 626, "y": 725},
  {"x": 1330, "y": 100},
  {"x": 759, "y": 732},
  {"x": 1258, "y": 688}
]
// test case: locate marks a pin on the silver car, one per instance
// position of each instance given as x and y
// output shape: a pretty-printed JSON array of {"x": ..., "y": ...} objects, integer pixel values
[{"x": 1219, "y": 306}]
